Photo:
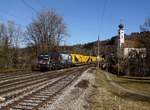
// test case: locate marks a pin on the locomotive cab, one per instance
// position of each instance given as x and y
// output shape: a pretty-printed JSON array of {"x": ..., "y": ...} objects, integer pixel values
[{"x": 43, "y": 62}]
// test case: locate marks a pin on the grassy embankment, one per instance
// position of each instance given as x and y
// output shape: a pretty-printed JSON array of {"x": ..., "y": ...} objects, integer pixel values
[
  {"x": 136, "y": 84},
  {"x": 7, "y": 70},
  {"x": 107, "y": 97}
]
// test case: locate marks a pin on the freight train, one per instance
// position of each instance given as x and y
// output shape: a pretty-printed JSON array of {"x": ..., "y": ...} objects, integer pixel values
[{"x": 59, "y": 60}]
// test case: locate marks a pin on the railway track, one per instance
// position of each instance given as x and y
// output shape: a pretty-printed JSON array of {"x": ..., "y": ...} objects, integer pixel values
[
  {"x": 15, "y": 75},
  {"x": 35, "y": 91},
  {"x": 13, "y": 87}
]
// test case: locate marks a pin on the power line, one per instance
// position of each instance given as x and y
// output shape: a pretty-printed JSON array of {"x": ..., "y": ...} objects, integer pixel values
[
  {"x": 29, "y": 6},
  {"x": 101, "y": 21},
  {"x": 102, "y": 15}
]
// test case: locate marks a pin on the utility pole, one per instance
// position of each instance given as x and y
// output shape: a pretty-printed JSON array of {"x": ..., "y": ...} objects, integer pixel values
[
  {"x": 98, "y": 58},
  {"x": 128, "y": 57}
]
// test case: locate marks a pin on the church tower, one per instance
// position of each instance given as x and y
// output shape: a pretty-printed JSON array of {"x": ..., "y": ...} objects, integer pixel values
[
  {"x": 120, "y": 47},
  {"x": 121, "y": 35}
]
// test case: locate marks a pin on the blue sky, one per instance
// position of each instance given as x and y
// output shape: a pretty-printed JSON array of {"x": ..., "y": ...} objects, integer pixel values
[{"x": 82, "y": 17}]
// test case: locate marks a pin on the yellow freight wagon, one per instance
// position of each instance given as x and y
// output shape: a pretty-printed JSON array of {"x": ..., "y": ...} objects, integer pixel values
[
  {"x": 78, "y": 59},
  {"x": 86, "y": 60},
  {"x": 94, "y": 59}
]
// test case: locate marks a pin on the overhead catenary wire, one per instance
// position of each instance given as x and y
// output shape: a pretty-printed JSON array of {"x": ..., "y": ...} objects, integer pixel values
[
  {"x": 29, "y": 6},
  {"x": 102, "y": 16},
  {"x": 100, "y": 24}
]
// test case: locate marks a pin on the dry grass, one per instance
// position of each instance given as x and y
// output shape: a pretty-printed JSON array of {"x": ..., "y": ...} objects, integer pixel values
[
  {"x": 8, "y": 70},
  {"x": 134, "y": 84},
  {"x": 103, "y": 99},
  {"x": 11, "y": 70}
]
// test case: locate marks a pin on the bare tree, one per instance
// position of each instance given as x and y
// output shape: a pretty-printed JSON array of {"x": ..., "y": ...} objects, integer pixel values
[
  {"x": 46, "y": 31},
  {"x": 9, "y": 35},
  {"x": 145, "y": 40},
  {"x": 145, "y": 26}
]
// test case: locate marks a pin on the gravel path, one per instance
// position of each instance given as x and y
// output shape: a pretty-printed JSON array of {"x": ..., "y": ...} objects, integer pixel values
[{"x": 74, "y": 97}]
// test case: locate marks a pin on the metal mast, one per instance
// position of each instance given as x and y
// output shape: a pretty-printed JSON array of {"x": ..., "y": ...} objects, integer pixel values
[{"x": 98, "y": 53}]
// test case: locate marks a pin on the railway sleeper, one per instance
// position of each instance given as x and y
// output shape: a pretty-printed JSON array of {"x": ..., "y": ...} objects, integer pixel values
[
  {"x": 16, "y": 109},
  {"x": 28, "y": 104},
  {"x": 37, "y": 98},
  {"x": 45, "y": 94},
  {"x": 22, "y": 107},
  {"x": 32, "y": 101},
  {"x": 41, "y": 96}
]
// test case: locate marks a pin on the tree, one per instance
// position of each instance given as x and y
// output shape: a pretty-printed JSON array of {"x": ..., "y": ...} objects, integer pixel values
[
  {"x": 45, "y": 31},
  {"x": 145, "y": 33},
  {"x": 9, "y": 35},
  {"x": 146, "y": 26},
  {"x": 145, "y": 40}
]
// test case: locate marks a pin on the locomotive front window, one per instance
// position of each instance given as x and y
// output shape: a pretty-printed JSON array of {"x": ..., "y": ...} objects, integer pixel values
[{"x": 43, "y": 57}]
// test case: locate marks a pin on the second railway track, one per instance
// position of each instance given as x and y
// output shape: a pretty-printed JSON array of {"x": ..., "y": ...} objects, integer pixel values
[{"x": 31, "y": 94}]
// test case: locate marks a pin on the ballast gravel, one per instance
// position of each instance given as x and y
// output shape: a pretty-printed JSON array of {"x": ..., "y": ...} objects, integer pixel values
[{"x": 74, "y": 97}]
